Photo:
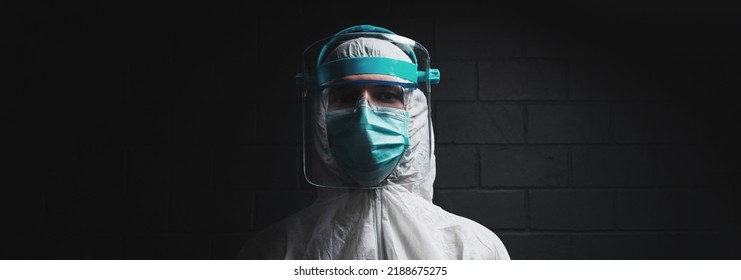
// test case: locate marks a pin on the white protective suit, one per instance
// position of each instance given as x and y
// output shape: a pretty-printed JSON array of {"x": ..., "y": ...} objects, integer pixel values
[{"x": 398, "y": 221}]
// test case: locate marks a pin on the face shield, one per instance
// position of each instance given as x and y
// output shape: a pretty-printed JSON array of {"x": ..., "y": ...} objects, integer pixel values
[{"x": 361, "y": 89}]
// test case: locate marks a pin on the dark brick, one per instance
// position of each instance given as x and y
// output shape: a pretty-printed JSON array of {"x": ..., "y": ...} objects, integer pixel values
[
  {"x": 68, "y": 58},
  {"x": 105, "y": 247},
  {"x": 278, "y": 59},
  {"x": 457, "y": 81},
  {"x": 213, "y": 41},
  {"x": 116, "y": 212},
  {"x": 271, "y": 207},
  {"x": 59, "y": 247},
  {"x": 641, "y": 122},
  {"x": 20, "y": 247},
  {"x": 702, "y": 209},
  {"x": 571, "y": 210},
  {"x": 58, "y": 212},
  {"x": 154, "y": 82},
  {"x": 469, "y": 38},
  {"x": 214, "y": 124},
  {"x": 667, "y": 71},
  {"x": 278, "y": 12},
  {"x": 248, "y": 168},
  {"x": 146, "y": 124},
  {"x": 211, "y": 212},
  {"x": 236, "y": 82},
  {"x": 536, "y": 246},
  {"x": 145, "y": 211},
  {"x": 683, "y": 165},
  {"x": 381, "y": 12},
  {"x": 152, "y": 44},
  {"x": 568, "y": 123},
  {"x": 187, "y": 81},
  {"x": 560, "y": 41},
  {"x": 24, "y": 211},
  {"x": 189, "y": 247},
  {"x": 196, "y": 81},
  {"x": 613, "y": 166},
  {"x": 149, "y": 167},
  {"x": 145, "y": 247},
  {"x": 240, "y": 42},
  {"x": 113, "y": 125},
  {"x": 639, "y": 210},
  {"x": 522, "y": 80},
  {"x": 100, "y": 82},
  {"x": 611, "y": 80},
  {"x": 456, "y": 166},
  {"x": 698, "y": 246},
  {"x": 671, "y": 209},
  {"x": 279, "y": 124},
  {"x": 494, "y": 210},
  {"x": 615, "y": 246},
  {"x": 169, "y": 167},
  {"x": 100, "y": 168},
  {"x": 479, "y": 123},
  {"x": 533, "y": 166},
  {"x": 276, "y": 80},
  {"x": 226, "y": 247}
]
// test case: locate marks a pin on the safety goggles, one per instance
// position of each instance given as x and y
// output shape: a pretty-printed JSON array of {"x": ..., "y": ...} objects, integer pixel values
[{"x": 345, "y": 94}]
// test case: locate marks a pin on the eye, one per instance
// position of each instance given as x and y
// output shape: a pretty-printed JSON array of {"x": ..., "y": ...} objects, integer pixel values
[
  {"x": 388, "y": 95},
  {"x": 341, "y": 97},
  {"x": 348, "y": 98}
]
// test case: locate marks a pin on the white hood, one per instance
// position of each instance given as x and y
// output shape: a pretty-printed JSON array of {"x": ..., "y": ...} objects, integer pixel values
[{"x": 398, "y": 221}]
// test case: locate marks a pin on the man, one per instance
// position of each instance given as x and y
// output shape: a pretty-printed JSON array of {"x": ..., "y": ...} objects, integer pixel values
[{"x": 369, "y": 147}]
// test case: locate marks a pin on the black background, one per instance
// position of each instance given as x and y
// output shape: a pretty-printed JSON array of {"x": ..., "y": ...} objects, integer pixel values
[{"x": 170, "y": 130}]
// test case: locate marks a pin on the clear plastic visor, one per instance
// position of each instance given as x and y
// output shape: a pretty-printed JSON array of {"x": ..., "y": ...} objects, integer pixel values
[{"x": 386, "y": 89}]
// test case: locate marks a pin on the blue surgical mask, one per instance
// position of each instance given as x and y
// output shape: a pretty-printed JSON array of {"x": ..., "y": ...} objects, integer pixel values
[{"x": 368, "y": 141}]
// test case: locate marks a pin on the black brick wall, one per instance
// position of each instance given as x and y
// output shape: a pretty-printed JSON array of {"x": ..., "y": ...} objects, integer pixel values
[{"x": 574, "y": 131}]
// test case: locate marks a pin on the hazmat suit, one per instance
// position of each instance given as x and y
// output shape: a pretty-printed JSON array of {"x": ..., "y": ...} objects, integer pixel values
[{"x": 393, "y": 219}]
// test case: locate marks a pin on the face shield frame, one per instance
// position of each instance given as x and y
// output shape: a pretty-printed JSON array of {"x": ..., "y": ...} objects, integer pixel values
[{"x": 317, "y": 76}]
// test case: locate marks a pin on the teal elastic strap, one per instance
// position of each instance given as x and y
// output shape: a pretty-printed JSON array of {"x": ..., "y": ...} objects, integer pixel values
[{"x": 366, "y": 65}]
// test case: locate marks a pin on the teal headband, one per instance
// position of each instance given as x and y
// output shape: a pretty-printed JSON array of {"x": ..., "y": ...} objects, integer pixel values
[{"x": 367, "y": 65}]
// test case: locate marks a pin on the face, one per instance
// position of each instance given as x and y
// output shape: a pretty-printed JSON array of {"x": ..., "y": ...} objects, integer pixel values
[{"x": 347, "y": 94}]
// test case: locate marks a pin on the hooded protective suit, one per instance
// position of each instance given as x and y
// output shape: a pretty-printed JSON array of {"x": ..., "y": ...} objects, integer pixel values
[{"x": 396, "y": 221}]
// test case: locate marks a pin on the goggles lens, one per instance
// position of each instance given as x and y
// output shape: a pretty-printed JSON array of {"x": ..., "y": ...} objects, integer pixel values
[{"x": 347, "y": 94}]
